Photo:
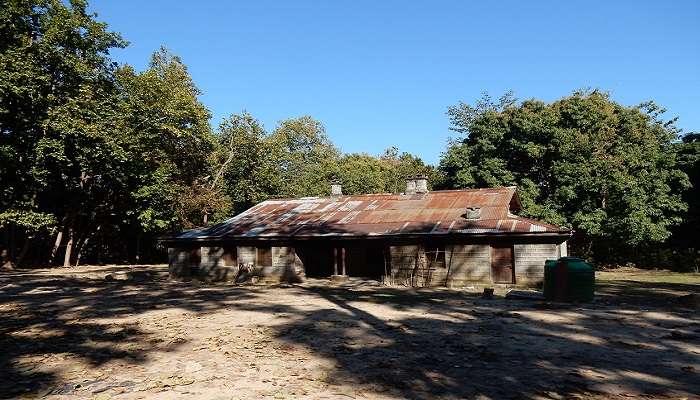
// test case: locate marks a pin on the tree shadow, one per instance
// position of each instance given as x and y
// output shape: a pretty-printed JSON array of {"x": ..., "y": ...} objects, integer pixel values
[
  {"x": 644, "y": 293},
  {"x": 46, "y": 317},
  {"x": 407, "y": 343},
  {"x": 465, "y": 348}
]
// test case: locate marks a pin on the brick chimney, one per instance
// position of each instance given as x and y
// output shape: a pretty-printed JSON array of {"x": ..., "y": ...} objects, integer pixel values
[
  {"x": 336, "y": 189},
  {"x": 421, "y": 183},
  {"x": 410, "y": 185}
]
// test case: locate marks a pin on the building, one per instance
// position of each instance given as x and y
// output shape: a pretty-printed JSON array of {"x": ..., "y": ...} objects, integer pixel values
[{"x": 419, "y": 238}]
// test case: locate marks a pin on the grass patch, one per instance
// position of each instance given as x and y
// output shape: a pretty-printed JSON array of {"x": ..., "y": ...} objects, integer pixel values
[
  {"x": 646, "y": 288},
  {"x": 649, "y": 276}
]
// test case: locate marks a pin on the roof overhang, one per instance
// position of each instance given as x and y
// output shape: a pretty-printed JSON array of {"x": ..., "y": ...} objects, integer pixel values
[{"x": 539, "y": 237}]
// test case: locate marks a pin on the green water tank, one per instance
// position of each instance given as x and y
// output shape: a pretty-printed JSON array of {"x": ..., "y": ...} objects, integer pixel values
[
  {"x": 548, "y": 286},
  {"x": 568, "y": 279}
]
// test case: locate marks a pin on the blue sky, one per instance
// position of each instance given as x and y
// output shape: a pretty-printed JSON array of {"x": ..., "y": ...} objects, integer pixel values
[{"x": 382, "y": 73}]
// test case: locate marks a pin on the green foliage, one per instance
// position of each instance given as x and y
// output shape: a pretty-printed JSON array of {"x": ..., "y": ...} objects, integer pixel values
[
  {"x": 607, "y": 170},
  {"x": 398, "y": 166},
  {"x": 168, "y": 137},
  {"x": 86, "y": 146},
  {"x": 89, "y": 147},
  {"x": 51, "y": 55},
  {"x": 29, "y": 221},
  {"x": 307, "y": 159},
  {"x": 363, "y": 173},
  {"x": 244, "y": 162},
  {"x": 688, "y": 156},
  {"x": 298, "y": 159}
]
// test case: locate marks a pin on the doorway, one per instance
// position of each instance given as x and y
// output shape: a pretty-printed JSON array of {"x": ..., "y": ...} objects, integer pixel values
[{"x": 502, "y": 266}]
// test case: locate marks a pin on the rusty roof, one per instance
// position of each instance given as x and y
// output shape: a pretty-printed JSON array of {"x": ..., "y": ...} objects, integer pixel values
[{"x": 379, "y": 215}]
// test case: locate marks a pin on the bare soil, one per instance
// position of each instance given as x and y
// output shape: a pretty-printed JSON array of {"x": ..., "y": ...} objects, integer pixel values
[{"x": 71, "y": 333}]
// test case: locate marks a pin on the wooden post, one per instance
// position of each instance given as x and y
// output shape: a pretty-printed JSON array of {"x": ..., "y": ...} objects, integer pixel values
[
  {"x": 335, "y": 261},
  {"x": 342, "y": 260}
]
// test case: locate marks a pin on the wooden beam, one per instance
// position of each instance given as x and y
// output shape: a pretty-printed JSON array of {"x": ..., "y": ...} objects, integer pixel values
[
  {"x": 342, "y": 260},
  {"x": 335, "y": 261}
]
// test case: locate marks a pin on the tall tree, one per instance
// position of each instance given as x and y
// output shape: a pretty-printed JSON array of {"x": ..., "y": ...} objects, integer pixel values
[
  {"x": 586, "y": 161},
  {"x": 688, "y": 153},
  {"x": 245, "y": 169},
  {"x": 387, "y": 173},
  {"x": 55, "y": 75},
  {"x": 400, "y": 165},
  {"x": 362, "y": 173},
  {"x": 169, "y": 140},
  {"x": 306, "y": 157}
]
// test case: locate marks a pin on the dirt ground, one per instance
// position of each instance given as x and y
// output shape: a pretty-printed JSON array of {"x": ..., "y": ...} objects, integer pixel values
[{"x": 71, "y": 333}]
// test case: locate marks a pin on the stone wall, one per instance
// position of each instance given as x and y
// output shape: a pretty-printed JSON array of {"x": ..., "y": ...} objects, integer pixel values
[
  {"x": 404, "y": 264},
  {"x": 563, "y": 249},
  {"x": 286, "y": 266},
  {"x": 246, "y": 255},
  {"x": 411, "y": 265},
  {"x": 212, "y": 267},
  {"x": 183, "y": 263},
  {"x": 467, "y": 264},
  {"x": 208, "y": 264}
]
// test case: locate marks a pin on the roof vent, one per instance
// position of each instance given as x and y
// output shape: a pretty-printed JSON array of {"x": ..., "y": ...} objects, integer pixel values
[{"x": 472, "y": 213}]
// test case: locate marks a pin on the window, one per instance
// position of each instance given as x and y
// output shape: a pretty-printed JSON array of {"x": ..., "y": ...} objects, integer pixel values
[
  {"x": 264, "y": 256},
  {"x": 436, "y": 257},
  {"x": 230, "y": 257}
]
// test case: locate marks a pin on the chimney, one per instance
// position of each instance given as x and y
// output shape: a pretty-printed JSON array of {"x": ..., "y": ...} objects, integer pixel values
[
  {"x": 421, "y": 183},
  {"x": 336, "y": 189},
  {"x": 472, "y": 213},
  {"x": 410, "y": 185}
]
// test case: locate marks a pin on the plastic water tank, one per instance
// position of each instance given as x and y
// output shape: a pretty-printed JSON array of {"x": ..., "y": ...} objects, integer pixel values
[{"x": 569, "y": 279}]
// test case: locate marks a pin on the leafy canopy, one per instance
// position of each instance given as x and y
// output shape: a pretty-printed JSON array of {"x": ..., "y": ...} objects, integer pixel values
[{"x": 607, "y": 170}]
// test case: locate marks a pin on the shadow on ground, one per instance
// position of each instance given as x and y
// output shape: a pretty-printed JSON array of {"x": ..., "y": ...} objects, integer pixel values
[
  {"x": 396, "y": 342},
  {"x": 655, "y": 294}
]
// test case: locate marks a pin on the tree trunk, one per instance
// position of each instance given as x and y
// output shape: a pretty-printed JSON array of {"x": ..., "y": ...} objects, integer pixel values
[
  {"x": 5, "y": 261},
  {"x": 138, "y": 248},
  {"x": 69, "y": 246},
  {"x": 83, "y": 243},
  {"x": 25, "y": 249},
  {"x": 56, "y": 246},
  {"x": 11, "y": 244},
  {"x": 81, "y": 247}
]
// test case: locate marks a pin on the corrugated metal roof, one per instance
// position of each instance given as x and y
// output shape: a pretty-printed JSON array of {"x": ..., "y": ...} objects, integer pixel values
[{"x": 432, "y": 213}]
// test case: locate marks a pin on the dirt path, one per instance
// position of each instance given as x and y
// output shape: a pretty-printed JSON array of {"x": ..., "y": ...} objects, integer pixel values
[{"x": 73, "y": 334}]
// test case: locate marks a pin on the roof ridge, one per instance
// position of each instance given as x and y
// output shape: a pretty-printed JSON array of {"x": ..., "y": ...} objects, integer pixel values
[{"x": 394, "y": 194}]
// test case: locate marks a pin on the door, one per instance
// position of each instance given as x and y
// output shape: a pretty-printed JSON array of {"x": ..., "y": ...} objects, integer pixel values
[
  {"x": 317, "y": 259},
  {"x": 502, "y": 268}
]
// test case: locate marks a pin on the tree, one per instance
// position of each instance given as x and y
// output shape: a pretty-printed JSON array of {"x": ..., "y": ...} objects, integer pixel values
[
  {"x": 169, "y": 141},
  {"x": 399, "y": 166},
  {"x": 688, "y": 155},
  {"x": 306, "y": 157},
  {"x": 585, "y": 161},
  {"x": 78, "y": 168},
  {"x": 99, "y": 159},
  {"x": 55, "y": 74},
  {"x": 89, "y": 148},
  {"x": 362, "y": 173},
  {"x": 245, "y": 171}
]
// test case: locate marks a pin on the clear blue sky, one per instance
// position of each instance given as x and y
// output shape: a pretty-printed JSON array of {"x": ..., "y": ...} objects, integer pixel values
[{"x": 382, "y": 73}]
